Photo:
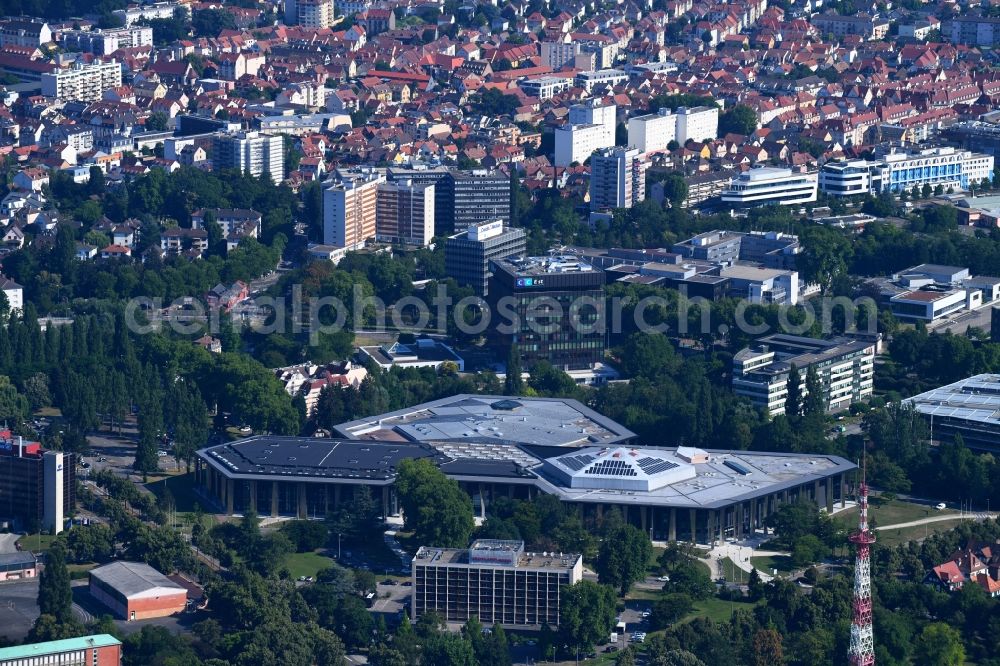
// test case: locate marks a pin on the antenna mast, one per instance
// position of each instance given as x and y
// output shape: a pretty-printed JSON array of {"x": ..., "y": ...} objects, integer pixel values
[{"x": 862, "y": 649}]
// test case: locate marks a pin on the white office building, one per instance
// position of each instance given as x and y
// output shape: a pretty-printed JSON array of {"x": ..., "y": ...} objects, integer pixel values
[
  {"x": 310, "y": 13},
  {"x": 697, "y": 123},
  {"x": 898, "y": 171},
  {"x": 652, "y": 132},
  {"x": 152, "y": 11},
  {"x": 545, "y": 87},
  {"x": 601, "y": 77},
  {"x": 765, "y": 186},
  {"x": 617, "y": 178},
  {"x": 106, "y": 42},
  {"x": 250, "y": 152},
  {"x": 82, "y": 82}
]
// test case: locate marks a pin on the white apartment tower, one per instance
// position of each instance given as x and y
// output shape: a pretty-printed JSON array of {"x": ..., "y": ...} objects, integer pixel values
[
  {"x": 652, "y": 132},
  {"x": 617, "y": 178},
  {"x": 350, "y": 209},
  {"x": 250, "y": 152},
  {"x": 591, "y": 127},
  {"x": 310, "y": 13},
  {"x": 697, "y": 123},
  {"x": 85, "y": 83}
]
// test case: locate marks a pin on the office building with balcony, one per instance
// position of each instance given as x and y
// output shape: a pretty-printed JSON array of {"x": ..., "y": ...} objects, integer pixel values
[
  {"x": 898, "y": 171},
  {"x": 82, "y": 82},
  {"x": 468, "y": 255},
  {"x": 315, "y": 14},
  {"x": 548, "y": 309},
  {"x": 496, "y": 581},
  {"x": 106, "y": 42},
  {"x": 250, "y": 152},
  {"x": 545, "y": 87},
  {"x": 617, "y": 178},
  {"x": 845, "y": 367},
  {"x": 767, "y": 186},
  {"x": 590, "y": 126}
]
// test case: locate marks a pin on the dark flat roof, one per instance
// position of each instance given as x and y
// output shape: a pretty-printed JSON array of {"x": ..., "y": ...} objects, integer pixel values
[{"x": 265, "y": 457}]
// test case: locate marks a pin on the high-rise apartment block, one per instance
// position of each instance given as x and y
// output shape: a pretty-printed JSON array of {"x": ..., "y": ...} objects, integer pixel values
[
  {"x": 590, "y": 127},
  {"x": 405, "y": 213},
  {"x": 493, "y": 580},
  {"x": 350, "y": 208},
  {"x": 250, "y": 152},
  {"x": 560, "y": 53},
  {"x": 468, "y": 255},
  {"x": 82, "y": 82},
  {"x": 617, "y": 178},
  {"x": 654, "y": 131},
  {"x": 310, "y": 13}
]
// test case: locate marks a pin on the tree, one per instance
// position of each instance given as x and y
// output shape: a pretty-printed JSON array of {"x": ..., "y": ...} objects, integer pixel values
[
  {"x": 513, "y": 383},
  {"x": 437, "y": 510},
  {"x": 669, "y": 609},
  {"x": 740, "y": 119},
  {"x": 815, "y": 400},
  {"x": 157, "y": 122},
  {"x": 14, "y": 407},
  {"x": 793, "y": 399},
  {"x": 55, "y": 597},
  {"x": 675, "y": 189},
  {"x": 623, "y": 558},
  {"x": 755, "y": 586},
  {"x": 767, "y": 650},
  {"x": 939, "y": 645},
  {"x": 587, "y": 614}
]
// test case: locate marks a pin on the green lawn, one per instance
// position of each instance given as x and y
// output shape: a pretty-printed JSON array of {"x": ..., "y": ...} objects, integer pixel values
[
  {"x": 732, "y": 572},
  {"x": 767, "y": 564},
  {"x": 307, "y": 564},
  {"x": 717, "y": 609},
  {"x": 36, "y": 542},
  {"x": 890, "y": 513}
]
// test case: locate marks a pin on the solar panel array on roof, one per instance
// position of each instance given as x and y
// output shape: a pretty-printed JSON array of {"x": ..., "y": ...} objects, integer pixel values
[
  {"x": 611, "y": 467},
  {"x": 576, "y": 463},
  {"x": 651, "y": 465}
]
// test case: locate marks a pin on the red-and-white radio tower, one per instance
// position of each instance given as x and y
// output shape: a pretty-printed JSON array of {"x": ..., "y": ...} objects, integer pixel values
[{"x": 862, "y": 650}]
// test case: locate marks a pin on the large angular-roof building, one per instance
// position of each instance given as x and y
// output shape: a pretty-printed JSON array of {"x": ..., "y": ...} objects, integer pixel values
[
  {"x": 496, "y": 446},
  {"x": 136, "y": 591}
]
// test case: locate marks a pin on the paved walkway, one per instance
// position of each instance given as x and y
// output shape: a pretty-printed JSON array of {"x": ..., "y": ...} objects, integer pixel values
[
  {"x": 7, "y": 542},
  {"x": 938, "y": 519}
]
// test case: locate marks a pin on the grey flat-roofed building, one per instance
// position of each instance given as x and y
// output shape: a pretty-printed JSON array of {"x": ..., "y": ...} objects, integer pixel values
[
  {"x": 970, "y": 407},
  {"x": 496, "y": 581},
  {"x": 495, "y": 446},
  {"x": 471, "y": 197},
  {"x": 469, "y": 418}
]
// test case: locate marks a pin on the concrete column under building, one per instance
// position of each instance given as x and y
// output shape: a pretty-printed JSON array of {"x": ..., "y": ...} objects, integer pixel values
[
  {"x": 754, "y": 520},
  {"x": 642, "y": 518},
  {"x": 482, "y": 501},
  {"x": 739, "y": 520},
  {"x": 303, "y": 511},
  {"x": 720, "y": 519},
  {"x": 385, "y": 501},
  {"x": 229, "y": 496},
  {"x": 253, "y": 496},
  {"x": 694, "y": 526},
  {"x": 816, "y": 494},
  {"x": 829, "y": 494},
  {"x": 672, "y": 533},
  {"x": 336, "y": 495},
  {"x": 843, "y": 491}
]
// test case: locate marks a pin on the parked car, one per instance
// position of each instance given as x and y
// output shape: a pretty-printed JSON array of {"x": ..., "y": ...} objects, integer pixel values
[
  {"x": 941, "y": 506},
  {"x": 664, "y": 579}
]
